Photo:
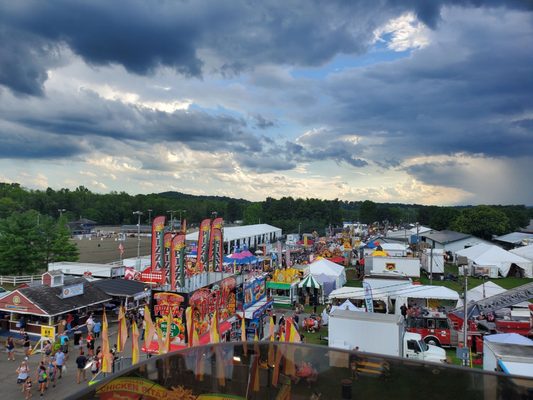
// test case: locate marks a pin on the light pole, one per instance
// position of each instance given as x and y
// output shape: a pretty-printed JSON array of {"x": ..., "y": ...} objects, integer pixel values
[
  {"x": 138, "y": 214},
  {"x": 171, "y": 212},
  {"x": 150, "y": 216},
  {"x": 61, "y": 211},
  {"x": 181, "y": 221}
]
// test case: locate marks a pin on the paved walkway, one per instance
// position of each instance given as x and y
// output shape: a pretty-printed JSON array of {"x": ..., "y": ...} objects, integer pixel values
[{"x": 65, "y": 386}]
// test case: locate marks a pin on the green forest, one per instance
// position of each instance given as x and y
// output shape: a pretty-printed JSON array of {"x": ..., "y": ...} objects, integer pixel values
[{"x": 32, "y": 233}]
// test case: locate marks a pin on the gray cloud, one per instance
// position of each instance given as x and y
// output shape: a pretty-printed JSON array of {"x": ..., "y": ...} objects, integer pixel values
[
  {"x": 465, "y": 92},
  {"x": 143, "y": 36}
]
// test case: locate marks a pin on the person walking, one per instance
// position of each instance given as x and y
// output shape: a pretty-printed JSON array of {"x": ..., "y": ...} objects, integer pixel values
[
  {"x": 90, "y": 324},
  {"x": 60, "y": 361},
  {"x": 52, "y": 372},
  {"x": 90, "y": 345},
  {"x": 97, "y": 329},
  {"x": 81, "y": 361},
  {"x": 23, "y": 371},
  {"x": 26, "y": 344},
  {"x": 42, "y": 379},
  {"x": 10, "y": 347}
]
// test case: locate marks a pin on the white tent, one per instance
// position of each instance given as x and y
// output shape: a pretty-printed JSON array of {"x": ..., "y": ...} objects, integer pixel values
[
  {"x": 355, "y": 293},
  {"x": 485, "y": 254},
  {"x": 347, "y": 305},
  {"x": 427, "y": 292},
  {"x": 329, "y": 268},
  {"x": 490, "y": 289},
  {"x": 525, "y": 251}
]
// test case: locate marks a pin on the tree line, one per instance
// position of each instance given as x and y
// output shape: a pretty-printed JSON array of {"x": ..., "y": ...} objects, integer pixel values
[{"x": 32, "y": 234}]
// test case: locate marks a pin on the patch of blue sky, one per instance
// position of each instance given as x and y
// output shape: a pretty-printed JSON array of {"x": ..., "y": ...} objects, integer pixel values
[{"x": 377, "y": 54}]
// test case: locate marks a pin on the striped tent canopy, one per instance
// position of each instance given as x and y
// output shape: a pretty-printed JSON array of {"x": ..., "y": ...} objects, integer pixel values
[{"x": 309, "y": 282}]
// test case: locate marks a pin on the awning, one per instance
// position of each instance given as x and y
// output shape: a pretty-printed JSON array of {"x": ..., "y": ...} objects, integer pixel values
[
  {"x": 309, "y": 282},
  {"x": 153, "y": 348},
  {"x": 257, "y": 309},
  {"x": 223, "y": 327},
  {"x": 278, "y": 285}
]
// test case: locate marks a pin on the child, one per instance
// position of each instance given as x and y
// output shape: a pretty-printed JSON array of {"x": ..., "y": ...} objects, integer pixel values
[{"x": 27, "y": 388}]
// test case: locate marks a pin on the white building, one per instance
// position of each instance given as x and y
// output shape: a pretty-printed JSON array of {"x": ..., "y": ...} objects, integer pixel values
[
  {"x": 450, "y": 240},
  {"x": 247, "y": 235}
]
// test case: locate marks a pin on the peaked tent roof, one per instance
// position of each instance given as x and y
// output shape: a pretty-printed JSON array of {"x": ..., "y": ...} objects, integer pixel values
[
  {"x": 525, "y": 251},
  {"x": 487, "y": 254},
  {"x": 512, "y": 338},
  {"x": 309, "y": 282},
  {"x": 327, "y": 267},
  {"x": 491, "y": 289},
  {"x": 445, "y": 236}
]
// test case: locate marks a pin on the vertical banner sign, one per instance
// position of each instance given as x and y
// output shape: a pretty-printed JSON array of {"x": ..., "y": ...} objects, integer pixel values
[
  {"x": 216, "y": 237},
  {"x": 178, "y": 244},
  {"x": 203, "y": 246},
  {"x": 288, "y": 257},
  {"x": 167, "y": 243},
  {"x": 183, "y": 226},
  {"x": 158, "y": 227},
  {"x": 280, "y": 255},
  {"x": 215, "y": 224},
  {"x": 368, "y": 297}
]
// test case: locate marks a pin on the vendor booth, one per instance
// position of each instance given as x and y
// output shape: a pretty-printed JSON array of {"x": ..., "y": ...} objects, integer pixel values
[
  {"x": 256, "y": 306},
  {"x": 328, "y": 268},
  {"x": 44, "y": 307},
  {"x": 357, "y": 296},
  {"x": 431, "y": 298},
  {"x": 283, "y": 288}
]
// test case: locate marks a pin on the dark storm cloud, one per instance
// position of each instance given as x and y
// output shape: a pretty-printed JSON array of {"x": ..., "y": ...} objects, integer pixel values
[
  {"x": 27, "y": 144},
  {"x": 143, "y": 35},
  {"x": 468, "y": 92},
  {"x": 262, "y": 122},
  {"x": 92, "y": 118}
]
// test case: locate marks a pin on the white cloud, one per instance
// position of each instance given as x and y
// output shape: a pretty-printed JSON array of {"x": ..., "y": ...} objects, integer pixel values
[{"x": 405, "y": 32}]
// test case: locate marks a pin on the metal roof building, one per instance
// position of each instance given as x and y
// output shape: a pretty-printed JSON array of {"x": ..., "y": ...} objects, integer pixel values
[{"x": 247, "y": 235}]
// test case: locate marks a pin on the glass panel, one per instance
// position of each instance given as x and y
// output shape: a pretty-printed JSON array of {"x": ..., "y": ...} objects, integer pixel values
[{"x": 292, "y": 371}]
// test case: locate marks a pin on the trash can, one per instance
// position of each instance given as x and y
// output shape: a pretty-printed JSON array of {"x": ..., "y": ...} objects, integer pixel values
[
  {"x": 346, "y": 389},
  {"x": 77, "y": 337}
]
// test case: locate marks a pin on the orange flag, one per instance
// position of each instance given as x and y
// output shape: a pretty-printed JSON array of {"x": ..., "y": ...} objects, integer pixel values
[
  {"x": 134, "y": 343},
  {"x": 107, "y": 357},
  {"x": 122, "y": 336},
  {"x": 149, "y": 329}
]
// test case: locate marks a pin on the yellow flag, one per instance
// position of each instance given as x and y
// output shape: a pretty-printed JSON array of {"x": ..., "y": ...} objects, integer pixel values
[
  {"x": 215, "y": 336},
  {"x": 160, "y": 341},
  {"x": 107, "y": 357},
  {"x": 167, "y": 333},
  {"x": 122, "y": 334},
  {"x": 188, "y": 318},
  {"x": 134, "y": 343},
  {"x": 243, "y": 334},
  {"x": 149, "y": 329}
]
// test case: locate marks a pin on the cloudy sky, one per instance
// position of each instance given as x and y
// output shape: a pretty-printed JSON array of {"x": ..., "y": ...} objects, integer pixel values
[{"x": 427, "y": 102}]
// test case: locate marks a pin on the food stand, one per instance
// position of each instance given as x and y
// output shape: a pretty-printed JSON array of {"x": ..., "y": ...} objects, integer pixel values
[{"x": 283, "y": 287}]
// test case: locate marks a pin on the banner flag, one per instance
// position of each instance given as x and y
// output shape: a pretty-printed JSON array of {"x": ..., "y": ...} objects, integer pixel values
[
  {"x": 202, "y": 259},
  {"x": 216, "y": 224},
  {"x": 149, "y": 329},
  {"x": 183, "y": 226},
  {"x": 167, "y": 243},
  {"x": 368, "y": 297},
  {"x": 188, "y": 319},
  {"x": 134, "y": 343},
  {"x": 107, "y": 357},
  {"x": 158, "y": 227},
  {"x": 177, "y": 245},
  {"x": 122, "y": 333},
  {"x": 215, "y": 336},
  {"x": 217, "y": 250},
  {"x": 243, "y": 335}
]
